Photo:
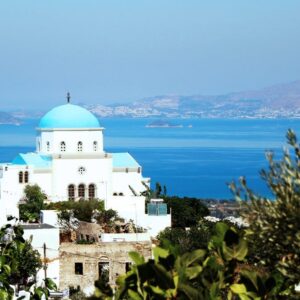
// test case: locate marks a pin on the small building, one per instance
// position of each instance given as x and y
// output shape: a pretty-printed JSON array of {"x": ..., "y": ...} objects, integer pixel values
[{"x": 81, "y": 265}]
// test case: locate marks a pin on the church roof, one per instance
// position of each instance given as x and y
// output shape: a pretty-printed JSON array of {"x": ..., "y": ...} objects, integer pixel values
[
  {"x": 68, "y": 116},
  {"x": 120, "y": 160},
  {"x": 124, "y": 160},
  {"x": 32, "y": 159}
]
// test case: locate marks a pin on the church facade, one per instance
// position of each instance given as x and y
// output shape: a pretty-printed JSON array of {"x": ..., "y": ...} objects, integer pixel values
[{"x": 70, "y": 163}]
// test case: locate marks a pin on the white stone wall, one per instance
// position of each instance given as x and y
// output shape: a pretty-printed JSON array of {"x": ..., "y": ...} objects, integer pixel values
[
  {"x": 49, "y": 217},
  {"x": 11, "y": 191},
  {"x": 155, "y": 224}
]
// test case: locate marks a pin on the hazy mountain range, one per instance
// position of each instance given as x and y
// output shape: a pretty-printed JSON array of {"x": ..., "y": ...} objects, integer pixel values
[{"x": 278, "y": 101}]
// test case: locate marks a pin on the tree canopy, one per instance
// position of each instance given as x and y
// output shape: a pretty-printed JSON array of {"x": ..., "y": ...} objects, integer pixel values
[
  {"x": 186, "y": 212},
  {"x": 34, "y": 198},
  {"x": 188, "y": 240},
  {"x": 274, "y": 232},
  {"x": 82, "y": 210}
]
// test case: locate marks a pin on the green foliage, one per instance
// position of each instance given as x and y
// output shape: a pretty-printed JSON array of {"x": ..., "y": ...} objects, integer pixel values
[
  {"x": 82, "y": 210},
  {"x": 107, "y": 216},
  {"x": 14, "y": 269},
  {"x": 186, "y": 212},
  {"x": 218, "y": 272},
  {"x": 79, "y": 295},
  {"x": 85, "y": 242},
  {"x": 34, "y": 197},
  {"x": 274, "y": 232},
  {"x": 42, "y": 292},
  {"x": 27, "y": 262},
  {"x": 157, "y": 190},
  {"x": 188, "y": 240},
  {"x": 149, "y": 193}
]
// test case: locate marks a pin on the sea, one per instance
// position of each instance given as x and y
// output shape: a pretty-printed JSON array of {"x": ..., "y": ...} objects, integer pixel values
[{"x": 198, "y": 159}]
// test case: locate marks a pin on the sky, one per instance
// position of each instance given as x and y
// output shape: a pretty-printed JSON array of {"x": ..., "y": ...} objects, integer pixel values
[{"x": 116, "y": 51}]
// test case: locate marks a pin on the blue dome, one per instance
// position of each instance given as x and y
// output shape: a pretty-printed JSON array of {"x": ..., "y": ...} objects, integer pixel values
[{"x": 69, "y": 116}]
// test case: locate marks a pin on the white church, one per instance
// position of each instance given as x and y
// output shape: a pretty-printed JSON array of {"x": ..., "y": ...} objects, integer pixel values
[{"x": 70, "y": 163}]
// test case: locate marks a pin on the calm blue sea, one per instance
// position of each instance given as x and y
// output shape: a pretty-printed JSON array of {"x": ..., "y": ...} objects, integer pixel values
[{"x": 191, "y": 161}]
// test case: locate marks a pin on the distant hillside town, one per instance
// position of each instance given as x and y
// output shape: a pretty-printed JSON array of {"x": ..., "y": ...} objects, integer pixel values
[{"x": 278, "y": 101}]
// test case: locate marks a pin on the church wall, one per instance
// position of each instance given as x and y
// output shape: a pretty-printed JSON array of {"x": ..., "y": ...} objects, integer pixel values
[
  {"x": 122, "y": 180},
  {"x": 71, "y": 139},
  {"x": 43, "y": 139},
  {"x": 66, "y": 172},
  {"x": 43, "y": 179}
]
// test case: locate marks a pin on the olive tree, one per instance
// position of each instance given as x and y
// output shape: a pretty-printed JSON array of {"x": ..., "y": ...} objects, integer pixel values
[{"x": 274, "y": 223}]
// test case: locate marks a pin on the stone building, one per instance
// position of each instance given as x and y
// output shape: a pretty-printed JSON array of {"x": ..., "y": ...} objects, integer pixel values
[
  {"x": 82, "y": 265},
  {"x": 89, "y": 232}
]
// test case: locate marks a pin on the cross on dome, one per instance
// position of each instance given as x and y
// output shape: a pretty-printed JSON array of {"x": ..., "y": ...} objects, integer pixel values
[{"x": 68, "y": 97}]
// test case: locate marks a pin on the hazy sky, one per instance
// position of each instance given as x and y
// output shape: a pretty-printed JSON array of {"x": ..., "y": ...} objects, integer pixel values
[{"x": 117, "y": 51}]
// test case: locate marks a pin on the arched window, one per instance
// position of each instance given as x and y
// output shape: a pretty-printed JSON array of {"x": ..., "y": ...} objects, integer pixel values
[
  {"x": 95, "y": 146},
  {"x": 48, "y": 146},
  {"x": 26, "y": 177},
  {"x": 63, "y": 147},
  {"x": 81, "y": 191},
  {"x": 92, "y": 190},
  {"x": 79, "y": 146},
  {"x": 20, "y": 177},
  {"x": 71, "y": 192}
]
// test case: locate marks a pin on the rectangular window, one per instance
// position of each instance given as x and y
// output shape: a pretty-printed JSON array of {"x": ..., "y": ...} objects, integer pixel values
[
  {"x": 103, "y": 268},
  {"x": 78, "y": 268}
]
